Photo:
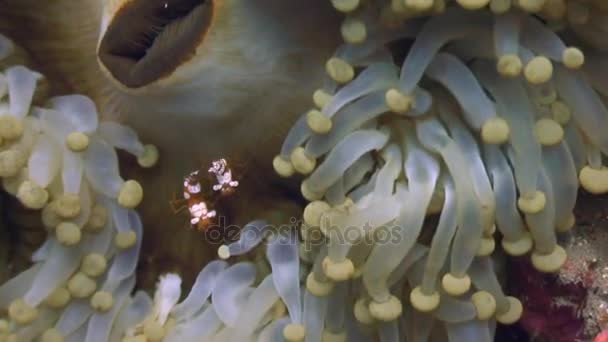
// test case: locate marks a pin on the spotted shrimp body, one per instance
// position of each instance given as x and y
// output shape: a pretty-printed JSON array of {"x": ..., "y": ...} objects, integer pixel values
[
  {"x": 203, "y": 195},
  {"x": 223, "y": 175},
  {"x": 200, "y": 213}
]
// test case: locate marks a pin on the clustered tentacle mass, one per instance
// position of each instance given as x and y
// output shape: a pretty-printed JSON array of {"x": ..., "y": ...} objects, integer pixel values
[
  {"x": 485, "y": 115},
  {"x": 57, "y": 158},
  {"x": 491, "y": 120}
]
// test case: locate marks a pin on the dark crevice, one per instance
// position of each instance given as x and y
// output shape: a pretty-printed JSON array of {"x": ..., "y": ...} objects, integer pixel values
[{"x": 148, "y": 39}]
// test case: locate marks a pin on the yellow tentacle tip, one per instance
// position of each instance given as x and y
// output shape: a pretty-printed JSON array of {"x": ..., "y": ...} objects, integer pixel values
[
  {"x": 77, "y": 141},
  {"x": 518, "y": 247},
  {"x": 594, "y": 180},
  {"x": 308, "y": 193},
  {"x": 321, "y": 98},
  {"x": 422, "y": 5},
  {"x": 532, "y": 203},
  {"x": 485, "y": 305},
  {"x": 125, "y": 239},
  {"x": 58, "y": 299},
  {"x": 509, "y": 66},
  {"x": 495, "y": 131},
  {"x": 423, "y": 302},
  {"x": 32, "y": 196},
  {"x": 539, "y": 70},
  {"x": 67, "y": 205},
  {"x": 318, "y": 122},
  {"x": 154, "y": 331},
  {"x": 21, "y": 312},
  {"x": 12, "y": 162},
  {"x": 531, "y": 6},
  {"x": 473, "y": 4},
  {"x": 68, "y": 233},
  {"x": 339, "y": 70},
  {"x": 486, "y": 246},
  {"x": 131, "y": 194},
  {"x": 362, "y": 313},
  {"x": 149, "y": 157},
  {"x": 302, "y": 162},
  {"x": 294, "y": 332},
  {"x": 11, "y": 128},
  {"x": 102, "y": 301},
  {"x": 338, "y": 270},
  {"x": 52, "y": 335},
  {"x": 513, "y": 314},
  {"x": 81, "y": 286},
  {"x": 283, "y": 167},
  {"x": 223, "y": 252},
  {"x": 353, "y": 31},
  {"x": 313, "y": 211},
  {"x": 94, "y": 264},
  {"x": 548, "y": 132},
  {"x": 397, "y": 101},
  {"x": 345, "y": 5},
  {"x": 549, "y": 263},
  {"x": 454, "y": 285},
  {"x": 318, "y": 288},
  {"x": 573, "y": 58},
  {"x": 386, "y": 311}
]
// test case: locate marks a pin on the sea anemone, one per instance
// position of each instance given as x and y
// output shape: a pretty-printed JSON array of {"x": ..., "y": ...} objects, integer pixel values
[
  {"x": 438, "y": 126},
  {"x": 59, "y": 159},
  {"x": 490, "y": 120}
]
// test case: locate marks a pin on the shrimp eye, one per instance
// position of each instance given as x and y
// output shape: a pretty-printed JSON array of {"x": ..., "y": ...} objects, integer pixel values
[{"x": 147, "y": 40}]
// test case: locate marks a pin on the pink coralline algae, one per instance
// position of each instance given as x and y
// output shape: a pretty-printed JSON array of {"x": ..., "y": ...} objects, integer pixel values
[{"x": 552, "y": 308}]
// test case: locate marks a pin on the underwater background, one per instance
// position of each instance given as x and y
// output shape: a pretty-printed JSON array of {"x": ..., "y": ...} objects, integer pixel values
[{"x": 344, "y": 170}]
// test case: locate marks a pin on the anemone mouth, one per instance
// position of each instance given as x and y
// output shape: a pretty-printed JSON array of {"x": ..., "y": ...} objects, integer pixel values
[{"x": 148, "y": 39}]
